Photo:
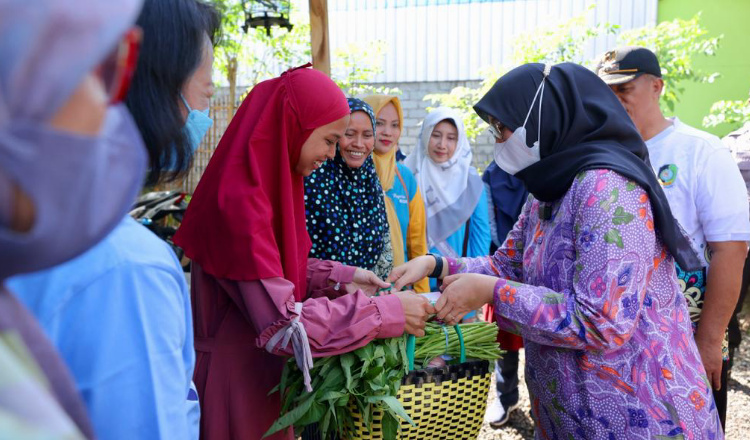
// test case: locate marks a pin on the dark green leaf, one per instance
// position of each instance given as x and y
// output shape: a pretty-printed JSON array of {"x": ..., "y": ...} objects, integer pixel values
[
  {"x": 291, "y": 417},
  {"x": 393, "y": 404},
  {"x": 313, "y": 415},
  {"x": 347, "y": 360},
  {"x": 325, "y": 422},
  {"x": 390, "y": 426},
  {"x": 332, "y": 395}
]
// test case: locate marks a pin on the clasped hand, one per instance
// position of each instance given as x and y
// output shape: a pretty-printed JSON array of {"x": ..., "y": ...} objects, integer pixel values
[
  {"x": 462, "y": 293},
  {"x": 416, "y": 308}
]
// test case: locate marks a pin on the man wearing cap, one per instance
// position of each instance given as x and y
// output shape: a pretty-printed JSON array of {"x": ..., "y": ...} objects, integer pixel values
[{"x": 706, "y": 194}]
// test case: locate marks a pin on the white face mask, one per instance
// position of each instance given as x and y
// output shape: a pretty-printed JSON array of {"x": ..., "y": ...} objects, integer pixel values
[{"x": 514, "y": 155}]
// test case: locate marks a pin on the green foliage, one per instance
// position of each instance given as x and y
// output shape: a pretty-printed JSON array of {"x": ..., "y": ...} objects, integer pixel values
[
  {"x": 559, "y": 43},
  {"x": 368, "y": 378},
  {"x": 355, "y": 65},
  {"x": 676, "y": 43},
  {"x": 255, "y": 51},
  {"x": 555, "y": 44},
  {"x": 248, "y": 58},
  {"x": 734, "y": 113}
]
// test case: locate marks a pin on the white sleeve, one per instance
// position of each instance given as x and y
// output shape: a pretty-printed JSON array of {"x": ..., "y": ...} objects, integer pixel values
[{"x": 721, "y": 199}]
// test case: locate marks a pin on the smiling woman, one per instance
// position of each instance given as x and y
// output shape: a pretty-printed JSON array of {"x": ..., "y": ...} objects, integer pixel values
[
  {"x": 344, "y": 204},
  {"x": 252, "y": 280},
  {"x": 457, "y": 210},
  {"x": 404, "y": 206}
]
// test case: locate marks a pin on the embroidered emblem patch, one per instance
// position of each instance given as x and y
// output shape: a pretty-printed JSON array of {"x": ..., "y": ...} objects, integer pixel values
[
  {"x": 608, "y": 63},
  {"x": 667, "y": 174}
]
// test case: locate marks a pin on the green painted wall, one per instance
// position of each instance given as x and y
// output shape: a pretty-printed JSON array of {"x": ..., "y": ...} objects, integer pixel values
[{"x": 732, "y": 19}]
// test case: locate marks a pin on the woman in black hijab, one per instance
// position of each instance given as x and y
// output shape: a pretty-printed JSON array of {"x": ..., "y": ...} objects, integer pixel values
[{"x": 586, "y": 276}]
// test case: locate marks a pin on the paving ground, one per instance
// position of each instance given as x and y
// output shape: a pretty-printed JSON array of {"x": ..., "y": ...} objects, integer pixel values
[{"x": 521, "y": 426}]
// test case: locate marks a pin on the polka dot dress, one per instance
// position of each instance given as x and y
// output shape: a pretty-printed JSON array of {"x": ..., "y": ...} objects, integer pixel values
[{"x": 345, "y": 211}]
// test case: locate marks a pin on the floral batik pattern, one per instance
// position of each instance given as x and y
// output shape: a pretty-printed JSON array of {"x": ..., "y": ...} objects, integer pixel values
[{"x": 607, "y": 333}]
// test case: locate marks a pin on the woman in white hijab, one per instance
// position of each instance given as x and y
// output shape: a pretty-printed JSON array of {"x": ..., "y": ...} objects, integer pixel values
[{"x": 454, "y": 196}]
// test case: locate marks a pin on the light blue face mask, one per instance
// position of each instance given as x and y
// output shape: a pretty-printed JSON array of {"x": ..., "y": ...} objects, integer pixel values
[{"x": 197, "y": 124}]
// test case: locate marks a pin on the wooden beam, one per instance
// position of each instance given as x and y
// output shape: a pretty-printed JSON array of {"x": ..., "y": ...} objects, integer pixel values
[{"x": 319, "y": 36}]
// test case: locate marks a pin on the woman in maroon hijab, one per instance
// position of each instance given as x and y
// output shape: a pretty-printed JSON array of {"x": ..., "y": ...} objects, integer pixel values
[{"x": 252, "y": 283}]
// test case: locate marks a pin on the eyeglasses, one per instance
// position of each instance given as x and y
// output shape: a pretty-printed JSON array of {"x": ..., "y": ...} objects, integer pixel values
[
  {"x": 496, "y": 128},
  {"x": 118, "y": 68}
]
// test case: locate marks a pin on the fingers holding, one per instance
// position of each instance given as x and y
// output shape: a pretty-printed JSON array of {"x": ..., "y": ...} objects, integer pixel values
[
  {"x": 395, "y": 274},
  {"x": 378, "y": 282},
  {"x": 447, "y": 281}
]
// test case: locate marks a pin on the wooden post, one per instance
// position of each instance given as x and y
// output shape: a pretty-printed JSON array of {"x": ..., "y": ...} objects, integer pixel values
[{"x": 319, "y": 36}]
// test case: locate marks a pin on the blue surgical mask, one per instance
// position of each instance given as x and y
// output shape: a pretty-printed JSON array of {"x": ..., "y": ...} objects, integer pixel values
[{"x": 197, "y": 124}]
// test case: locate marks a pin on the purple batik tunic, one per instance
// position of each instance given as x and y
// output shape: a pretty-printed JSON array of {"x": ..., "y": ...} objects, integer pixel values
[{"x": 609, "y": 347}]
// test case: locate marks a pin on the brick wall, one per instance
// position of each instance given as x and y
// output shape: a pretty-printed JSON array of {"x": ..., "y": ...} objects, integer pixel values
[{"x": 415, "y": 109}]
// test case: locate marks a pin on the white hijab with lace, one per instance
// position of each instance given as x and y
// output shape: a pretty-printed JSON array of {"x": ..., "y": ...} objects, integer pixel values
[{"x": 451, "y": 190}]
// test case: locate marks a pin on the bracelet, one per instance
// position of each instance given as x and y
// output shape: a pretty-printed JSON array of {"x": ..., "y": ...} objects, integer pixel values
[{"x": 438, "y": 270}]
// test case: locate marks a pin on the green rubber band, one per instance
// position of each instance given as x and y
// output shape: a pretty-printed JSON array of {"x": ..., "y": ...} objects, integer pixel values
[
  {"x": 462, "y": 357},
  {"x": 411, "y": 343},
  {"x": 445, "y": 331}
]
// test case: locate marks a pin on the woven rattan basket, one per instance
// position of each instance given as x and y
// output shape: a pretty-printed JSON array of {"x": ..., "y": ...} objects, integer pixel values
[{"x": 445, "y": 403}]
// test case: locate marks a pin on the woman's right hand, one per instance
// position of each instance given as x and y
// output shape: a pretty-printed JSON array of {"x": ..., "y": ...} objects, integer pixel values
[
  {"x": 411, "y": 272},
  {"x": 416, "y": 311}
]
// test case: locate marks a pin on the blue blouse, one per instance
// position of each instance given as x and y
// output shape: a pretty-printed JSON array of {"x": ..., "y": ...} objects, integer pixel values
[{"x": 120, "y": 317}]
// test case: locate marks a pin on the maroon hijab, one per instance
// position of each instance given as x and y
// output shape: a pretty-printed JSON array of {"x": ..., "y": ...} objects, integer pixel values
[{"x": 246, "y": 220}]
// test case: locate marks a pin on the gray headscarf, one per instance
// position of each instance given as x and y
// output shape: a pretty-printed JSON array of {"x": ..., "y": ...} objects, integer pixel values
[{"x": 47, "y": 47}]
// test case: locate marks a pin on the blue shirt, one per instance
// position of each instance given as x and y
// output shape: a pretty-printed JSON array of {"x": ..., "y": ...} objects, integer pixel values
[
  {"x": 479, "y": 235},
  {"x": 120, "y": 317},
  {"x": 402, "y": 197}
]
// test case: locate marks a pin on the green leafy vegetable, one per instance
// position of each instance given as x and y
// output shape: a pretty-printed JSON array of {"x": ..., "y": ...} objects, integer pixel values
[{"x": 368, "y": 379}]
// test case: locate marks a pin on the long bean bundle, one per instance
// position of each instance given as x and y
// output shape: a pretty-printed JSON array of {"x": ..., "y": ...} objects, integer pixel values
[{"x": 480, "y": 342}]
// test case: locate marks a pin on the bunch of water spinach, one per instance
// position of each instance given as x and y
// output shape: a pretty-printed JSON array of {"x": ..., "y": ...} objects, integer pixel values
[{"x": 367, "y": 378}]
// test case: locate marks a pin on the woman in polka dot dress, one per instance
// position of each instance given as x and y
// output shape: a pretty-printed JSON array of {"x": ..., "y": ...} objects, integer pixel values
[
  {"x": 344, "y": 205},
  {"x": 587, "y": 275}
]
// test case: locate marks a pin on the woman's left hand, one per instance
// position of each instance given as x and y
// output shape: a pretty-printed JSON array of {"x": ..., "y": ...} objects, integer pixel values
[
  {"x": 463, "y": 293},
  {"x": 367, "y": 282}
]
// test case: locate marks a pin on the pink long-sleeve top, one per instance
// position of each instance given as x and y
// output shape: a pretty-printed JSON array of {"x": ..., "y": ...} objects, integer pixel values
[{"x": 234, "y": 320}]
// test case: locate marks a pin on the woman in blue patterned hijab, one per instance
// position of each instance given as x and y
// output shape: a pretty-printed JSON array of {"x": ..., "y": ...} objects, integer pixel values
[{"x": 344, "y": 204}]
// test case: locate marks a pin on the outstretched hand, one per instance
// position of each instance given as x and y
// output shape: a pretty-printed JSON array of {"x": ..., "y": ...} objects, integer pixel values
[
  {"x": 411, "y": 272},
  {"x": 463, "y": 293},
  {"x": 416, "y": 311},
  {"x": 366, "y": 281}
]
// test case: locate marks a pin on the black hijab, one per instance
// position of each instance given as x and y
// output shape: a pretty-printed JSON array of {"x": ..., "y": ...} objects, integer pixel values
[{"x": 584, "y": 127}]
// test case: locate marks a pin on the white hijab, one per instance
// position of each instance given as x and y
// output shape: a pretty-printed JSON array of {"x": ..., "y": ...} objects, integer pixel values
[{"x": 451, "y": 190}]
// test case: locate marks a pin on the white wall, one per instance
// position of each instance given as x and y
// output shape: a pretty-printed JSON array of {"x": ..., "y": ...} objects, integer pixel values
[{"x": 452, "y": 42}]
